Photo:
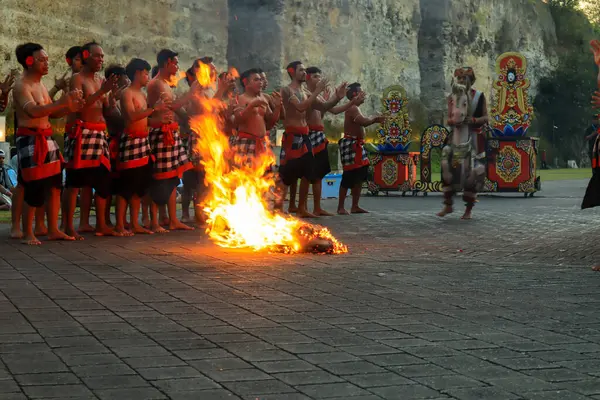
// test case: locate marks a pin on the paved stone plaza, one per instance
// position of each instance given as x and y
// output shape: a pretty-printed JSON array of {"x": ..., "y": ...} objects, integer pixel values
[{"x": 501, "y": 307}]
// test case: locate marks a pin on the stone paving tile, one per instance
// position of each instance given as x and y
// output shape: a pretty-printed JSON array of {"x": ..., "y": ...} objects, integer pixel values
[
  {"x": 130, "y": 394},
  {"x": 406, "y": 392},
  {"x": 410, "y": 313},
  {"x": 258, "y": 388},
  {"x": 330, "y": 390}
]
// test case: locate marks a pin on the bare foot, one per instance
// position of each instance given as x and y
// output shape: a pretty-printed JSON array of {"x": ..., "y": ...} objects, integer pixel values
[
  {"x": 158, "y": 229},
  {"x": 466, "y": 215},
  {"x": 15, "y": 233},
  {"x": 146, "y": 223},
  {"x": 83, "y": 228},
  {"x": 178, "y": 225},
  {"x": 141, "y": 230},
  {"x": 186, "y": 219},
  {"x": 358, "y": 210},
  {"x": 342, "y": 211},
  {"x": 165, "y": 222},
  {"x": 74, "y": 234},
  {"x": 321, "y": 212},
  {"x": 41, "y": 231},
  {"x": 292, "y": 209},
  {"x": 447, "y": 210},
  {"x": 596, "y": 268},
  {"x": 106, "y": 231},
  {"x": 302, "y": 213},
  {"x": 31, "y": 241},
  {"x": 60, "y": 235},
  {"x": 122, "y": 232}
]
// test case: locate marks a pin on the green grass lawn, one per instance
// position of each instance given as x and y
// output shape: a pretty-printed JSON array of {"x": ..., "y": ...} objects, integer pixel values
[{"x": 564, "y": 174}]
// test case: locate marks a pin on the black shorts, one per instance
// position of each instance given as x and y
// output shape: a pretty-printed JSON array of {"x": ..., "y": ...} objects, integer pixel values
[
  {"x": 98, "y": 178},
  {"x": 321, "y": 165},
  {"x": 36, "y": 192},
  {"x": 133, "y": 181},
  {"x": 192, "y": 178},
  {"x": 303, "y": 167},
  {"x": 160, "y": 189},
  {"x": 354, "y": 177}
]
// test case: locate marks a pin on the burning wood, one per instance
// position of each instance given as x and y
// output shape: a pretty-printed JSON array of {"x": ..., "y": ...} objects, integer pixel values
[{"x": 237, "y": 206}]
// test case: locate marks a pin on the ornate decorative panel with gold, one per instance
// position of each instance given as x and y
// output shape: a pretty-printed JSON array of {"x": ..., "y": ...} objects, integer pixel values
[{"x": 511, "y": 165}]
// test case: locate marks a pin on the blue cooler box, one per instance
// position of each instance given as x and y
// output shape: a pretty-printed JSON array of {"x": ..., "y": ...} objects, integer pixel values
[{"x": 331, "y": 186}]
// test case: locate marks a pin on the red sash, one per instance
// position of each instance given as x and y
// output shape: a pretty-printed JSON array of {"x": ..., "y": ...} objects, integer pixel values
[
  {"x": 358, "y": 152},
  {"x": 321, "y": 146},
  {"x": 136, "y": 134},
  {"x": 41, "y": 144},
  {"x": 75, "y": 131},
  {"x": 261, "y": 146},
  {"x": 290, "y": 132},
  {"x": 167, "y": 130}
]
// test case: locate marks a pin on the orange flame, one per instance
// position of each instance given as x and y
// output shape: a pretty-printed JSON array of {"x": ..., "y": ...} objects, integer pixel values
[
  {"x": 237, "y": 205},
  {"x": 175, "y": 79}
]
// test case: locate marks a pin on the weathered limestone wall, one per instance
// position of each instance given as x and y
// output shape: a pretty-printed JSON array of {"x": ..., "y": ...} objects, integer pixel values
[
  {"x": 416, "y": 43},
  {"x": 124, "y": 28},
  {"x": 473, "y": 33},
  {"x": 373, "y": 42}
]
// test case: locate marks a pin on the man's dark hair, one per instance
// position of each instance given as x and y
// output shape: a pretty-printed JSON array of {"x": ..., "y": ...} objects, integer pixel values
[
  {"x": 292, "y": 67},
  {"x": 73, "y": 52},
  {"x": 114, "y": 69},
  {"x": 135, "y": 65},
  {"x": 352, "y": 90},
  {"x": 313, "y": 70},
  {"x": 154, "y": 71},
  {"x": 87, "y": 47},
  {"x": 189, "y": 73},
  {"x": 246, "y": 74},
  {"x": 206, "y": 60},
  {"x": 26, "y": 50},
  {"x": 164, "y": 56}
]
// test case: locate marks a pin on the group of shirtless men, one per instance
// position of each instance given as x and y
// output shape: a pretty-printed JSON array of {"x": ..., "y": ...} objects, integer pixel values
[{"x": 123, "y": 138}]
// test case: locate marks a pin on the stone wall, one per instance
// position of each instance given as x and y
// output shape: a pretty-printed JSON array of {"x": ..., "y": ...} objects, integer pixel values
[
  {"x": 415, "y": 43},
  {"x": 124, "y": 28}
]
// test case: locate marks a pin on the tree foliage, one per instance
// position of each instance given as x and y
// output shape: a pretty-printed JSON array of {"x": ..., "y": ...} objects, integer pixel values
[{"x": 563, "y": 100}]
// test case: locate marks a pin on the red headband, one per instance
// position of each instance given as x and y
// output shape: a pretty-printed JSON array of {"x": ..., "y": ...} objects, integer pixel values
[
  {"x": 69, "y": 61},
  {"x": 307, "y": 76},
  {"x": 29, "y": 61},
  {"x": 245, "y": 81},
  {"x": 291, "y": 70},
  {"x": 85, "y": 54}
]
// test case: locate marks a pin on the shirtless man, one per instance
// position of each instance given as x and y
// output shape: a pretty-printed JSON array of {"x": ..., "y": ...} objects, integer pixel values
[
  {"x": 352, "y": 152},
  {"x": 86, "y": 148},
  {"x": 271, "y": 124},
  {"x": 251, "y": 116},
  {"x": 171, "y": 160},
  {"x": 74, "y": 61},
  {"x": 133, "y": 160},
  {"x": 40, "y": 161},
  {"x": 194, "y": 187},
  {"x": 316, "y": 134},
  {"x": 115, "y": 124},
  {"x": 297, "y": 159}
]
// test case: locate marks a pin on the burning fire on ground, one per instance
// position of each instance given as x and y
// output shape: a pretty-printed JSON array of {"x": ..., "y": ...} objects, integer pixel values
[{"x": 237, "y": 205}]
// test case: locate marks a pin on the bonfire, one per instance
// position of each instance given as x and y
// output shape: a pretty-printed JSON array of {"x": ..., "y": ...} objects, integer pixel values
[{"x": 237, "y": 206}]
